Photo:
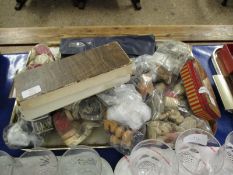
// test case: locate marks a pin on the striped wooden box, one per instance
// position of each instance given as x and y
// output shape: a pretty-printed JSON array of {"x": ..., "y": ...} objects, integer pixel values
[{"x": 199, "y": 91}]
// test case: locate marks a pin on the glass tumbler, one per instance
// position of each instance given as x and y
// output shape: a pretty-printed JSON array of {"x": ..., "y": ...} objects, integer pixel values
[
  {"x": 228, "y": 150},
  {"x": 198, "y": 153},
  {"x": 152, "y": 157},
  {"x": 39, "y": 161},
  {"x": 6, "y": 163},
  {"x": 81, "y": 160}
]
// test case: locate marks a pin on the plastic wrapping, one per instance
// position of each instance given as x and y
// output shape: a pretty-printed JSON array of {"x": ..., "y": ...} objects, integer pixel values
[
  {"x": 116, "y": 95},
  {"x": 42, "y": 124},
  {"x": 126, "y": 106},
  {"x": 165, "y": 98},
  {"x": 149, "y": 64},
  {"x": 122, "y": 137},
  {"x": 39, "y": 55},
  {"x": 141, "y": 64},
  {"x": 72, "y": 132},
  {"x": 21, "y": 135},
  {"x": 144, "y": 85},
  {"x": 73, "y": 110},
  {"x": 178, "y": 89},
  {"x": 165, "y": 64},
  {"x": 91, "y": 109},
  {"x": 174, "y": 101},
  {"x": 179, "y": 48},
  {"x": 155, "y": 102},
  {"x": 171, "y": 113},
  {"x": 169, "y": 124}
]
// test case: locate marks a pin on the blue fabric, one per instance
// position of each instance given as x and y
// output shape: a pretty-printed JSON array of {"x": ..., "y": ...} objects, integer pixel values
[
  {"x": 8, "y": 66},
  {"x": 225, "y": 124},
  {"x": 10, "y": 63}
]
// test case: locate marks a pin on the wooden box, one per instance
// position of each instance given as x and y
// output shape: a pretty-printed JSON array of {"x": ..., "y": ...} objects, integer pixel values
[{"x": 199, "y": 91}]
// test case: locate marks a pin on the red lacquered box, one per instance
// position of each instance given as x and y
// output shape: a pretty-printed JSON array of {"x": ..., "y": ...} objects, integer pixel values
[
  {"x": 226, "y": 56},
  {"x": 199, "y": 91}
]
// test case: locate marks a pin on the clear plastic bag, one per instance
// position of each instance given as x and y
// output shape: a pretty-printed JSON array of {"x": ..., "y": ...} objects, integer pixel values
[
  {"x": 143, "y": 84},
  {"x": 133, "y": 114},
  {"x": 149, "y": 64},
  {"x": 155, "y": 102},
  {"x": 165, "y": 98},
  {"x": 169, "y": 124},
  {"x": 21, "y": 135},
  {"x": 178, "y": 89},
  {"x": 126, "y": 106},
  {"x": 172, "y": 101},
  {"x": 173, "y": 55},
  {"x": 42, "y": 124},
  {"x": 141, "y": 64},
  {"x": 122, "y": 137},
  {"x": 116, "y": 95},
  {"x": 178, "y": 47},
  {"x": 91, "y": 109},
  {"x": 169, "y": 97},
  {"x": 165, "y": 64},
  {"x": 40, "y": 54},
  {"x": 170, "y": 113},
  {"x": 73, "y": 110},
  {"x": 72, "y": 132}
]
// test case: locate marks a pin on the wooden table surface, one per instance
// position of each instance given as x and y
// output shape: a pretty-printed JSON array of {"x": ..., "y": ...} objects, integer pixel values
[{"x": 15, "y": 40}]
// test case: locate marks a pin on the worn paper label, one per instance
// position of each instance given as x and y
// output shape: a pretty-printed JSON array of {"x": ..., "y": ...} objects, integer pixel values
[
  {"x": 196, "y": 138},
  {"x": 205, "y": 90},
  {"x": 32, "y": 91}
]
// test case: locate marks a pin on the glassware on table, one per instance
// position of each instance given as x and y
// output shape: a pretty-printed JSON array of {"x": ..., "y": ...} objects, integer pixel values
[
  {"x": 81, "y": 160},
  {"x": 6, "y": 163},
  {"x": 152, "y": 157},
  {"x": 228, "y": 150},
  {"x": 198, "y": 153},
  {"x": 38, "y": 161}
]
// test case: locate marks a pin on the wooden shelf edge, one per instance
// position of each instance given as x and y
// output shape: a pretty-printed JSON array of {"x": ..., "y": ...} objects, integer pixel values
[{"x": 52, "y": 35}]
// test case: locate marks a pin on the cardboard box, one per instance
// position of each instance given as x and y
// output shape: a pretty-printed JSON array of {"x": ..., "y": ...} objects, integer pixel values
[{"x": 60, "y": 83}]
